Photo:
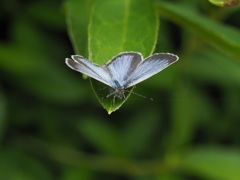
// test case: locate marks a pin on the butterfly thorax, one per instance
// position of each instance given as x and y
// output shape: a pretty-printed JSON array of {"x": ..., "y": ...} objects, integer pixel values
[{"x": 119, "y": 91}]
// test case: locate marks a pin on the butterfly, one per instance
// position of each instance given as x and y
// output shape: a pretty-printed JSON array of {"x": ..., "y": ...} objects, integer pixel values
[{"x": 124, "y": 70}]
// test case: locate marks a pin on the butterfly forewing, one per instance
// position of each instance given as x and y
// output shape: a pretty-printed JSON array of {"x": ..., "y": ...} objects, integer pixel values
[
  {"x": 78, "y": 63},
  {"x": 124, "y": 70},
  {"x": 122, "y": 66},
  {"x": 149, "y": 67}
]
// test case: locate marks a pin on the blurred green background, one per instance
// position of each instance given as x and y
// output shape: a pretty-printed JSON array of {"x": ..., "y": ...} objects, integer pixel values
[{"x": 53, "y": 128}]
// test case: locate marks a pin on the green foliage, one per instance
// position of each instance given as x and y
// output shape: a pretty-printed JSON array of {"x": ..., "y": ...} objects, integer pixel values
[
  {"x": 2, "y": 115},
  {"x": 104, "y": 137},
  {"x": 51, "y": 125},
  {"x": 213, "y": 162},
  {"x": 17, "y": 165},
  {"x": 223, "y": 37},
  {"x": 225, "y": 3},
  {"x": 121, "y": 31}
]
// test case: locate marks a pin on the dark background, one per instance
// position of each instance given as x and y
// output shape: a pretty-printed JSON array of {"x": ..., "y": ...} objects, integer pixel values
[{"x": 52, "y": 126}]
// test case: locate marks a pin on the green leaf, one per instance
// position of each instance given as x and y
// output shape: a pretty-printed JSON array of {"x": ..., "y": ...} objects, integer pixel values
[
  {"x": 2, "y": 114},
  {"x": 212, "y": 66},
  {"x": 77, "y": 173},
  {"x": 185, "y": 114},
  {"x": 16, "y": 165},
  {"x": 223, "y": 37},
  {"x": 225, "y": 3},
  {"x": 213, "y": 163},
  {"x": 119, "y": 26},
  {"x": 53, "y": 20},
  {"x": 139, "y": 132},
  {"x": 77, "y": 16},
  {"x": 104, "y": 137},
  {"x": 32, "y": 67},
  {"x": 169, "y": 176}
]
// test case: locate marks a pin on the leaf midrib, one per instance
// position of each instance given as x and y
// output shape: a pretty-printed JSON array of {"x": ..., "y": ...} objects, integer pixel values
[{"x": 125, "y": 27}]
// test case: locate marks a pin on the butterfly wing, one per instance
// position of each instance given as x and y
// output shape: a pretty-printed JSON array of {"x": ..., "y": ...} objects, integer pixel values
[
  {"x": 78, "y": 63},
  {"x": 149, "y": 67},
  {"x": 122, "y": 66}
]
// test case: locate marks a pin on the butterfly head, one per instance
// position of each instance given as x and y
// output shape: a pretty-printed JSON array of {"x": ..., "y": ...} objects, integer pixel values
[{"x": 118, "y": 91}]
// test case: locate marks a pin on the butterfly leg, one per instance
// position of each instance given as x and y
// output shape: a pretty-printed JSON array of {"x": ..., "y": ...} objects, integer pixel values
[{"x": 114, "y": 100}]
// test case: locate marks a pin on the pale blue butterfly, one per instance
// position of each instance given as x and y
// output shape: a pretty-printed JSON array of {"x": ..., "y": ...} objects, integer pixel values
[{"x": 124, "y": 70}]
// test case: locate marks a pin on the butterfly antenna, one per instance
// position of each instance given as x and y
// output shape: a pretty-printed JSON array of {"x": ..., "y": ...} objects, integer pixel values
[
  {"x": 101, "y": 89},
  {"x": 103, "y": 99},
  {"x": 140, "y": 95}
]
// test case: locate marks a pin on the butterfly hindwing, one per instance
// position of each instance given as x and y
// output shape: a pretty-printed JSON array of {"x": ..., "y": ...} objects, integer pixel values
[{"x": 122, "y": 66}]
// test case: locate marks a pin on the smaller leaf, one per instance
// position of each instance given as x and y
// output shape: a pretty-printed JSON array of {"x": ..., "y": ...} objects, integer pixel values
[
  {"x": 213, "y": 163},
  {"x": 201, "y": 67},
  {"x": 185, "y": 113},
  {"x": 139, "y": 132},
  {"x": 17, "y": 165},
  {"x": 2, "y": 114},
  {"x": 169, "y": 176},
  {"x": 111, "y": 103},
  {"x": 223, "y": 37},
  {"x": 103, "y": 137},
  {"x": 77, "y": 173},
  {"x": 225, "y": 3}
]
